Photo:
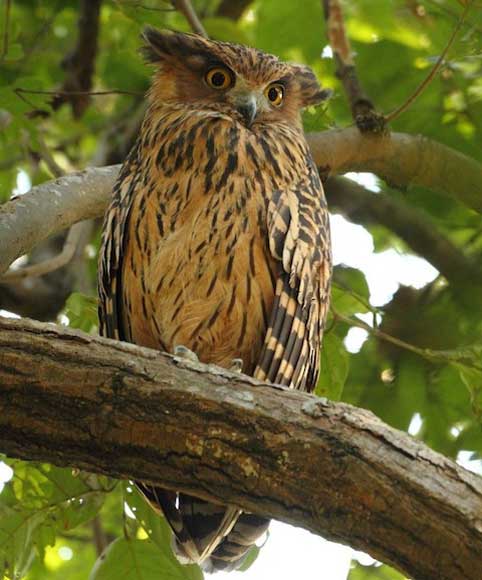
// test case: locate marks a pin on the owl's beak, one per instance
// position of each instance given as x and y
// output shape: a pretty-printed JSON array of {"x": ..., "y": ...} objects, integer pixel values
[{"x": 246, "y": 106}]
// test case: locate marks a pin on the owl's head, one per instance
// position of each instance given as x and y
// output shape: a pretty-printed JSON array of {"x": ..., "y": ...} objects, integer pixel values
[{"x": 247, "y": 84}]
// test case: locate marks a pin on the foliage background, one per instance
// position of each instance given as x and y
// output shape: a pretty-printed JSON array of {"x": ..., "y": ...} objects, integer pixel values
[{"x": 44, "y": 509}]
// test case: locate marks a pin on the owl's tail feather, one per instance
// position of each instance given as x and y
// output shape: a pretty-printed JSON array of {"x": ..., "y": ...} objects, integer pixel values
[
  {"x": 214, "y": 536},
  {"x": 232, "y": 551}
]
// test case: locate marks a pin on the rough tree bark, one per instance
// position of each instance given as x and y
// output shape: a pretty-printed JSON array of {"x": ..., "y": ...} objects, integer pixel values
[{"x": 130, "y": 412}]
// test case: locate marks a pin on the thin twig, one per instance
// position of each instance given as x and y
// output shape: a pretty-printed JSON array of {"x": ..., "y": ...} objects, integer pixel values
[
  {"x": 5, "y": 32},
  {"x": 79, "y": 64},
  {"x": 58, "y": 261},
  {"x": 19, "y": 91},
  {"x": 99, "y": 536},
  {"x": 468, "y": 356},
  {"x": 379, "y": 333},
  {"x": 428, "y": 79},
  {"x": 447, "y": 12},
  {"x": 45, "y": 27},
  {"x": 135, "y": 4},
  {"x": 48, "y": 158},
  {"x": 186, "y": 8},
  {"x": 362, "y": 109}
]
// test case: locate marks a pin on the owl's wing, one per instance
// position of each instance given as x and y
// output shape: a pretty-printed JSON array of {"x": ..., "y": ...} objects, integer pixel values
[
  {"x": 299, "y": 239},
  {"x": 111, "y": 251}
]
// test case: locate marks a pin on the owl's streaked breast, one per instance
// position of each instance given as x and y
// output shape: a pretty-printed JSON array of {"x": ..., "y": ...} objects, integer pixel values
[{"x": 197, "y": 267}]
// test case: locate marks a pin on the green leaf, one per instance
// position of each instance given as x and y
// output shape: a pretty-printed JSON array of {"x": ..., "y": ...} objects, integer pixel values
[
  {"x": 377, "y": 572},
  {"x": 315, "y": 118},
  {"x": 81, "y": 310},
  {"x": 250, "y": 559},
  {"x": 472, "y": 379},
  {"x": 8, "y": 181},
  {"x": 470, "y": 438},
  {"x": 45, "y": 536},
  {"x": 17, "y": 529},
  {"x": 15, "y": 52},
  {"x": 334, "y": 364},
  {"x": 278, "y": 27},
  {"x": 131, "y": 559},
  {"x": 159, "y": 532},
  {"x": 40, "y": 502},
  {"x": 152, "y": 523},
  {"x": 350, "y": 293}
]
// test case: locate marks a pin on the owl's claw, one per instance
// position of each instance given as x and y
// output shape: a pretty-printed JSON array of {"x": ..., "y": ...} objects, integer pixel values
[
  {"x": 236, "y": 365},
  {"x": 183, "y": 352}
]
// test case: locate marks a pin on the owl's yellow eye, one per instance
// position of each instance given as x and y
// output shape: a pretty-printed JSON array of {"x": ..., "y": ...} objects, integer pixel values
[
  {"x": 275, "y": 94},
  {"x": 219, "y": 78}
]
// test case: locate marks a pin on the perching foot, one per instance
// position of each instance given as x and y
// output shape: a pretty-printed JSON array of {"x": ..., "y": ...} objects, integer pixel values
[
  {"x": 236, "y": 365},
  {"x": 182, "y": 351}
]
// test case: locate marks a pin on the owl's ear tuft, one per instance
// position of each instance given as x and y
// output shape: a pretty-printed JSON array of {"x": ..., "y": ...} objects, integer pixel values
[
  {"x": 310, "y": 91},
  {"x": 158, "y": 44},
  {"x": 163, "y": 45}
]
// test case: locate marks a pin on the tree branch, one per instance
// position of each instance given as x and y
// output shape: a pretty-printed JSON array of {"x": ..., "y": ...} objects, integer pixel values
[
  {"x": 40, "y": 298},
  {"x": 412, "y": 226},
  {"x": 99, "y": 537},
  {"x": 72, "y": 241},
  {"x": 435, "y": 69},
  {"x": 232, "y": 9},
  {"x": 6, "y": 26},
  {"x": 52, "y": 207},
  {"x": 186, "y": 9},
  {"x": 43, "y": 297},
  {"x": 402, "y": 160},
  {"x": 362, "y": 109},
  {"x": 338, "y": 471},
  {"x": 81, "y": 62}
]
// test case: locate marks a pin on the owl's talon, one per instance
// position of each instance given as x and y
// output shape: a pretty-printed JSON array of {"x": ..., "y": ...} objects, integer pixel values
[
  {"x": 236, "y": 365},
  {"x": 183, "y": 352}
]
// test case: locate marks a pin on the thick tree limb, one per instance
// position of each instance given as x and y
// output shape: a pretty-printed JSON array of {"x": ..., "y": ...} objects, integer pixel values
[
  {"x": 411, "y": 225},
  {"x": 108, "y": 407},
  {"x": 402, "y": 160},
  {"x": 50, "y": 208}
]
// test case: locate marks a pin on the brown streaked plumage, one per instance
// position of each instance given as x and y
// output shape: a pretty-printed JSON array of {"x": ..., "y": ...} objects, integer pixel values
[{"x": 217, "y": 238}]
